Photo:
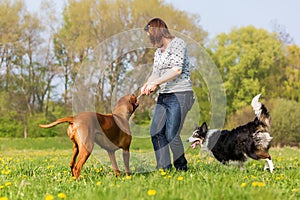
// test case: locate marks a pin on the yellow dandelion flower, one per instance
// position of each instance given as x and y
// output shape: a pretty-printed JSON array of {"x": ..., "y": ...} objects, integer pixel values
[
  {"x": 5, "y": 172},
  {"x": 49, "y": 197},
  {"x": 163, "y": 173},
  {"x": 1, "y": 186},
  {"x": 169, "y": 176},
  {"x": 243, "y": 185},
  {"x": 98, "y": 183},
  {"x": 160, "y": 170},
  {"x": 3, "y": 198},
  {"x": 151, "y": 192},
  {"x": 254, "y": 184},
  {"x": 261, "y": 184},
  {"x": 8, "y": 184},
  {"x": 62, "y": 195},
  {"x": 253, "y": 177},
  {"x": 180, "y": 178},
  {"x": 128, "y": 177},
  {"x": 294, "y": 190},
  {"x": 278, "y": 178},
  {"x": 258, "y": 184}
]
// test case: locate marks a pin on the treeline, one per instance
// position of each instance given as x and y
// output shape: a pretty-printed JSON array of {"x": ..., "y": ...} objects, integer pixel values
[{"x": 57, "y": 64}]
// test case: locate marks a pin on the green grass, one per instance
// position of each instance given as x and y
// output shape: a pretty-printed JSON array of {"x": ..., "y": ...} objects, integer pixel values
[{"x": 38, "y": 169}]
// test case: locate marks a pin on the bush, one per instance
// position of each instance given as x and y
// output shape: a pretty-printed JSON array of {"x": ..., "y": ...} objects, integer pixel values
[
  {"x": 35, "y": 131},
  {"x": 285, "y": 123},
  {"x": 10, "y": 126}
]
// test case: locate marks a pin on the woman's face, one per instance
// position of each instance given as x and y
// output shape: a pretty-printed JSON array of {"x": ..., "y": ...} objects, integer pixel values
[{"x": 156, "y": 40}]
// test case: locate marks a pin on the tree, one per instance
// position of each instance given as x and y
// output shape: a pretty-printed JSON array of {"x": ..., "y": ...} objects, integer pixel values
[
  {"x": 10, "y": 39},
  {"x": 25, "y": 60},
  {"x": 36, "y": 52},
  {"x": 251, "y": 61},
  {"x": 292, "y": 73},
  {"x": 86, "y": 24}
]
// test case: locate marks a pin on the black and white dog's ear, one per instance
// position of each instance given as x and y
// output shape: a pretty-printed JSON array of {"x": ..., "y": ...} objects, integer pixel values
[
  {"x": 195, "y": 126},
  {"x": 204, "y": 127}
]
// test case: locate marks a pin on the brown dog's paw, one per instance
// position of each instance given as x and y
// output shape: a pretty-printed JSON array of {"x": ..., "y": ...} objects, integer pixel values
[{"x": 117, "y": 172}]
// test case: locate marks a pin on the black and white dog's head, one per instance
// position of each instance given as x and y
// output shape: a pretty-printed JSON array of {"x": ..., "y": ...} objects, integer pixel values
[{"x": 198, "y": 136}]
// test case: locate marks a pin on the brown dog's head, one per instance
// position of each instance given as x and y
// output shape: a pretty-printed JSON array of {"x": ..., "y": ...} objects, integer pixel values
[
  {"x": 123, "y": 110},
  {"x": 133, "y": 103},
  {"x": 126, "y": 105}
]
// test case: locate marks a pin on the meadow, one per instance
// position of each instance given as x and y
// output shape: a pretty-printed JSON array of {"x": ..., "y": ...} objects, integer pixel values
[{"x": 39, "y": 169}]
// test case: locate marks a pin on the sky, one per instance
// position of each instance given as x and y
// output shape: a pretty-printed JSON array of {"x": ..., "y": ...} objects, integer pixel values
[{"x": 219, "y": 16}]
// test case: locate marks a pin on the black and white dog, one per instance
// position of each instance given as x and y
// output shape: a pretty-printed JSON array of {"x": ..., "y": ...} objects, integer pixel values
[{"x": 250, "y": 140}]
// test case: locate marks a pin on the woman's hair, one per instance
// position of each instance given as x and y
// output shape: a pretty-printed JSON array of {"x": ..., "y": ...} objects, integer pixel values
[{"x": 157, "y": 30}]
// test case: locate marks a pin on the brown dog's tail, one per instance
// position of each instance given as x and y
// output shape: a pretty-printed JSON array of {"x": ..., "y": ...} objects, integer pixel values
[{"x": 62, "y": 120}]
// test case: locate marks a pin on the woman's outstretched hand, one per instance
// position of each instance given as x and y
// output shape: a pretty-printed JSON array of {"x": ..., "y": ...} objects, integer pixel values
[{"x": 148, "y": 88}]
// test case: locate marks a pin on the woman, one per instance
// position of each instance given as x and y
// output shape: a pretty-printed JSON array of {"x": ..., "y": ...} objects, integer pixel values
[{"x": 171, "y": 73}]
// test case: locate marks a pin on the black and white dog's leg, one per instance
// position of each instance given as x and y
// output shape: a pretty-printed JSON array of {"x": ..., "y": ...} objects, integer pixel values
[{"x": 269, "y": 165}]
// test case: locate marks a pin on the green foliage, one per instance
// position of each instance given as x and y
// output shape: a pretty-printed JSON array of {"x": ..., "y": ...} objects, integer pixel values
[
  {"x": 141, "y": 117},
  {"x": 10, "y": 123},
  {"x": 292, "y": 72},
  {"x": 35, "y": 131},
  {"x": 285, "y": 124},
  {"x": 249, "y": 59},
  {"x": 10, "y": 126},
  {"x": 202, "y": 96}
]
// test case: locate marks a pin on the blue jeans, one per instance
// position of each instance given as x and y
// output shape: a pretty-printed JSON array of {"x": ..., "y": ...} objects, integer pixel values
[{"x": 168, "y": 118}]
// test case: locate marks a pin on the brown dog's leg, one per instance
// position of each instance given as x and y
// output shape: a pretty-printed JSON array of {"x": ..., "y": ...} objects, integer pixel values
[
  {"x": 74, "y": 155},
  {"x": 82, "y": 157},
  {"x": 113, "y": 161},
  {"x": 72, "y": 135},
  {"x": 126, "y": 156}
]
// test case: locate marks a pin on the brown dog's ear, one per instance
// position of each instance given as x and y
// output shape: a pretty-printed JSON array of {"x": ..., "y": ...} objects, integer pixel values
[{"x": 132, "y": 98}]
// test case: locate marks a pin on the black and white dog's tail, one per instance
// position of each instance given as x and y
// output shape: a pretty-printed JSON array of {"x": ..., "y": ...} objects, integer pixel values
[
  {"x": 261, "y": 112},
  {"x": 262, "y": 136},
  {"x": 256, "y": 105}
]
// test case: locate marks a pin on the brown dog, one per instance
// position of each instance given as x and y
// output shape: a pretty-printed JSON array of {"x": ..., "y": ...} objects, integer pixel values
[{"x": 109, "y": 131}]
